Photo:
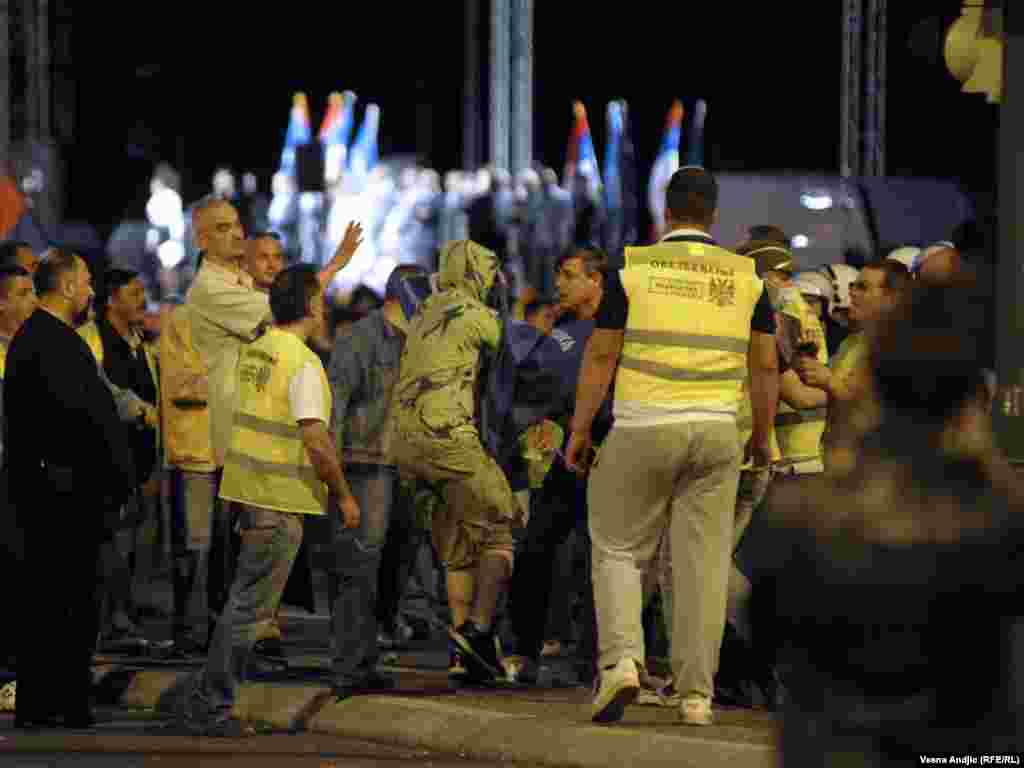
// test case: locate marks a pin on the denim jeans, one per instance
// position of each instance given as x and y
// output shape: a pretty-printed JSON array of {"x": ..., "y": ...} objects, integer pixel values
[
  {"x": 270, "y": 542},
  {"x": 357, "y": 557}
]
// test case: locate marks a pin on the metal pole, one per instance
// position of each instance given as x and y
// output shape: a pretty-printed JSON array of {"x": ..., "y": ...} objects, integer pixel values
[
  {"x": 522, "y": 85},
  {"x": 43, "y": 72},
  {"x": 881, "y": 89},
  {"x": 1009, "y": 273},
  {"x": 850, "y": 163},
  {"x": 501, "y": 33},
  {"x": 31, "y": 71},
  {"x": 471, "y": 108}
]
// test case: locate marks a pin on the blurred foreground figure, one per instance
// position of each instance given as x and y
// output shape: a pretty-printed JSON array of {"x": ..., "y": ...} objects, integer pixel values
[{"x": 889, "y": 585}]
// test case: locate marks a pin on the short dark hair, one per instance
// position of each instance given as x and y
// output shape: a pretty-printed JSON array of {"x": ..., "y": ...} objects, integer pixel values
[
  {"x": 9, "y": 252},
  {"x": 7, "y": 275},
  {"x": 291, "y": 292},
  {"x": 55, "y": 264},
  {"x": 926, "y": 359},
  {"x": 594, "y": 258},
  {"x": 113, "y": 278},
  {"x": 266, "y": 233},
  {"x": 692, "y": 195},
  {"x": 897, "y": 276},
  {"x": 769, "y": 233}
]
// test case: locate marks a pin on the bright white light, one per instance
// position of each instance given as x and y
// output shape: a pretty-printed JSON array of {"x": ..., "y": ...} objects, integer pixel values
[
  {"x": 170, "y": 253},
  {"x": 164, "y": 210},
  {"x": 816, "y": 201},
  {"x": 801, "y": 241}
]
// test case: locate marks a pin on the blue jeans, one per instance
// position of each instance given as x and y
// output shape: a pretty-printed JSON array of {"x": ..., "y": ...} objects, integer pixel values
[
  {"x": 270, "y": 542},
  {"x": 357, "y": 556}
]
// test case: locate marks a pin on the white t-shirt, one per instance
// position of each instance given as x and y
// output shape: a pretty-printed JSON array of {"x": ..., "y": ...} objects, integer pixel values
[{"x": 306, "y": 394}]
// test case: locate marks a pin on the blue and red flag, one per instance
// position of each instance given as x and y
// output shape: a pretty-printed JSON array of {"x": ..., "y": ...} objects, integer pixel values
[
  {"x": 335, "y": 133},
  {"x": 299, "y": 133},
  {"x": 582, "y": 175},
  {"x": 630, "y": 183},
  {"x": 695, "y": 155},
  {"x": 666, "y": 163},
  {"x": 363, "y": 157}
]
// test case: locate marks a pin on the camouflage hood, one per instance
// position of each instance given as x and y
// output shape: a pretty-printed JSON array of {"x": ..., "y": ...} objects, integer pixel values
[{"x": 468, "y": 267}]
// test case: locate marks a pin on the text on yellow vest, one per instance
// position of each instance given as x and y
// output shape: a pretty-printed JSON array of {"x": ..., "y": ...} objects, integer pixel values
[
  {"x": 267, "y": 464},
  {"x": 688, "y": 329}
]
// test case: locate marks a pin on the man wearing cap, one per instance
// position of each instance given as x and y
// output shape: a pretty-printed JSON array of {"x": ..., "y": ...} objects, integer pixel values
[{"x": 684, "y": 322}]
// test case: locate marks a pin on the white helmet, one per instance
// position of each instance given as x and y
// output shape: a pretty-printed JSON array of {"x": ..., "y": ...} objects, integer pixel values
[
  {"x": 813, "y": 283},
  {"x": 909, "y": 256},
  {"x": 842, "y": 277}
]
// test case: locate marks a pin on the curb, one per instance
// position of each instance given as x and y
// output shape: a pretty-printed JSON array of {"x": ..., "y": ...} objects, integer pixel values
[{"x": 426, "y": 723}]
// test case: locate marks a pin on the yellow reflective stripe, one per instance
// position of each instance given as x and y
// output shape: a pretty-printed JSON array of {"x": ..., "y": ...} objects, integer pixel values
[
  {"x": 793, "y": 418},
  {"x": 693, "y": 341},
  {"x": 265, "y": 426},
  {"x": 257, "y": 466},
  {"x": 662, "y": 371}
]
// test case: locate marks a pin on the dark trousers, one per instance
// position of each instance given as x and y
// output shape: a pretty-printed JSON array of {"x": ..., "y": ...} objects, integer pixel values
[
  {"x": 557, "y": 509},
  {"x": 59, "y": 617},
  {"x": 357, "y": 556}
]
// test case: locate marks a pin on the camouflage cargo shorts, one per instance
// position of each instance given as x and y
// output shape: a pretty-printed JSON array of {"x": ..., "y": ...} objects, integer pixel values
[{"x": 478, "y": 507}]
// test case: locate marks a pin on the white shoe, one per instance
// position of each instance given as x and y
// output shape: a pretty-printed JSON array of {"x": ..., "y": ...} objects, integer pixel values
[
  {"x": 618, "y": 687},
  {"x": 520, "y": 669},
  {"x": 695, "y": 710}
]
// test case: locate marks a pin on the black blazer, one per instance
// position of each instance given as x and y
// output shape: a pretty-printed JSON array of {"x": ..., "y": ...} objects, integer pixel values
[{"x": 62, "y": 438}]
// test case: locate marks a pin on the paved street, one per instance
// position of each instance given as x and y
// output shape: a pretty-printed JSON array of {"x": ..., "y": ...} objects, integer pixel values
[
  {"x": 426, "y": 721},
  {"x": 125, "y": 739}
]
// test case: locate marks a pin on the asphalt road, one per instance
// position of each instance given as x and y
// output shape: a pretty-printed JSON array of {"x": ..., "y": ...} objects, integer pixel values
[{"x": 129, "y": 739}]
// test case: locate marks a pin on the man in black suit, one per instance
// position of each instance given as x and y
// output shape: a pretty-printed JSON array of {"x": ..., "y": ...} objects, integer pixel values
[{"x": 70, "y": 470}]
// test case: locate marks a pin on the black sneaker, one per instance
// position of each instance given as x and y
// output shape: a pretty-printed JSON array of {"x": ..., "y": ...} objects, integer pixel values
[
  {"x": 270, "y": 647},
  {"x": 479, "y": 651}
]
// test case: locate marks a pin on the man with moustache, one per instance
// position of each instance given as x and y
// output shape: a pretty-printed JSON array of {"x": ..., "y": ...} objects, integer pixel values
[
  {"x": 69, "y": 466},
  {"x": 225, "y": 312},
  {"x": 560, "y": 506}
]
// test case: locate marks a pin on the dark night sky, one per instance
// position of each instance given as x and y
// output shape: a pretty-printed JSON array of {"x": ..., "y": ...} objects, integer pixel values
[{"x": 212, "y": 91}]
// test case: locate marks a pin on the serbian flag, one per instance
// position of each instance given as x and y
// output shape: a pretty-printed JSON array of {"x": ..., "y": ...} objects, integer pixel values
[
  {"x": 613, "y": 182},
  {"x": 581, "y": 160},
  {"x": 630, "y": 183},
  {"x": 299, "y": 133},
  {"x": 695, "y": 155},
  {"x": 666, "y": 163},
  {"x": 363, "y": 157},
  {"x": 613, "y": 158},
  {"x": 335, "y": 133}
]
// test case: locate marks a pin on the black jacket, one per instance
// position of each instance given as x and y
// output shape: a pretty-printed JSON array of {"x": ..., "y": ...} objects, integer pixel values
[{"x": 62, "y": 437}]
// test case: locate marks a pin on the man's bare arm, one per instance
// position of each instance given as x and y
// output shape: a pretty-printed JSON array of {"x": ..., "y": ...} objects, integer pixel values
[
  {"x": 346, "y": 250},
  {"x": 763, "y": 367},
  {"x": 324, "y": 456},
  {"x": 798, "y": 395},
  {"x": 599, "y": 360}
]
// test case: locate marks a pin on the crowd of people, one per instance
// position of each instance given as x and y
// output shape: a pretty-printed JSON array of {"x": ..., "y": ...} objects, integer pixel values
[{"x": 797, "y": 466}]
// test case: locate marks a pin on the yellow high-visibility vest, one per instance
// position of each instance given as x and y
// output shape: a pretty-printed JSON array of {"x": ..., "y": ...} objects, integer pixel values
[
  {"x": 688, "y": 330},
  {"x": 799, "y": 431},
  {"x": 4, "y": 343},
  {"x": 267, "y": 464}
]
